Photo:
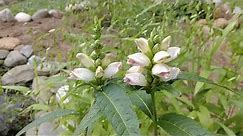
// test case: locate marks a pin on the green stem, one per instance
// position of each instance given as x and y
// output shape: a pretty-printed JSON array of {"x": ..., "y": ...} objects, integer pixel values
[{"x": 154, "y": 117}]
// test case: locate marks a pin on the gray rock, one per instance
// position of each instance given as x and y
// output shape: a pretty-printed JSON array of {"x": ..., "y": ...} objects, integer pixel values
[
  {"x": 27, "y": 50},
  {"x": 49, "y": 68},
  {"x": 55, "y": 13},
  {"x": 14, "y": 58},
  {"x": 34, "y": 59},
  {"x": 2, "y": 2},
  {"x": 19, "y": 74},
  {"x": 3, "y": 54},
  {"x": 6, "y": 16},
  {"x": 22, "y": 17},
  {"x": 42, "y": 13}
]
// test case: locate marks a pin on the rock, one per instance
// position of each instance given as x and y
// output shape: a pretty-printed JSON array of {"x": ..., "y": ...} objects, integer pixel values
[
  {"x": 61, "y": 93},
  {"x": 9, "y": 43},
  {"x": 19, "y": 47},
  {"x": 19, "y": 74},
  {"x": 223, "y": 11},
  {"x": 34, "y": 59},
  {"x": 6, "y": 16},
  {"x": 42, "y": 13},
  {"x": 39, "y": 87},
  {"x": 14, "y": 58},
  {"x": 55, "y": 13},
  {"x": 2, "y": 2},
  {"x": 3, "y": 54},
  {"x": 22, "y": 17},
  {"x": 49, "y": 68},
  {"x": 220, "y": 22},
  {"x": 202, "y": 22},
  {"x": 27, "y": 51}
]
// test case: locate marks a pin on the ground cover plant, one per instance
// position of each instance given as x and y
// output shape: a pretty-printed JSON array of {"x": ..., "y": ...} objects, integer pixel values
[{"x": 145, "y": 68}]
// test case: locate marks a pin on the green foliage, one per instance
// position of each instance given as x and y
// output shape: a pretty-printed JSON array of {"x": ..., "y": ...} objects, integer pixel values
[
  {"x": 116, "y": 107},
  {"x": 48, "y": 117},
  {"x": 179, "y": 125}
]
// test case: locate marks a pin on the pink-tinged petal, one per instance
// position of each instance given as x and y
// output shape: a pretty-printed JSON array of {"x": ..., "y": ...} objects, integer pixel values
[
  {"x": 85, "y": 60},
  {"x": 161, "y": 56},
  {"x": 138, "y": 59},
  {"x": 160, "y": 69},
  {"x": 83, "y": 74},
  {"x": 112, "y": 69},
  {"x": 135, "y": 79}
]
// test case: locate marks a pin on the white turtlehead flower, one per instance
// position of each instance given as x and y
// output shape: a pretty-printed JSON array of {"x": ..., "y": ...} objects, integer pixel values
[
  {"x": 85, "y": 60},
  {"x": 135, "y": 69},
  {"x": 174, "y": 52},
  {"x": 61, "y": 93},
  {"x": 83, "y": 74},
  {"x": 237, "y": 10},
  {"x": 143, "y": 45},
  {"x": 161, "y": 56},
  {"x": 165, "y": 72},
  {"x": 112, "y": 69},
  {"x": 135, "y": 79},
  {"x": 99, "y": 72},
  {"x": 138, "y": 59}
]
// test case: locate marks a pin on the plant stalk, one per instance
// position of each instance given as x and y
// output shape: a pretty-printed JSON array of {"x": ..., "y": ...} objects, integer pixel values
[{"x": 154, "y": 117}]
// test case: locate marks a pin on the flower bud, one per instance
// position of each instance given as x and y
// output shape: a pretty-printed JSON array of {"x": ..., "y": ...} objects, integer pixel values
[
  {"x": 85, "y": 60},
  {"x": 135, "y": 69},
  {"x": 165, "y": 43},
  {"x": 83, "y": 74},
  {"x": 143, "y": 45},
  {"x": 99, "y": 73},
  {"x": 98, "y": 62},
  {"x": 94, "y": 55},
  {"x": 138, "y": 59},
  {"x": 174, "y": 52},
  {"x": 108, "y": 59},
  {"x": 161, "y": 56},
  {"x": 112, "y": 69},
  {"x": 135, "y": 79}
]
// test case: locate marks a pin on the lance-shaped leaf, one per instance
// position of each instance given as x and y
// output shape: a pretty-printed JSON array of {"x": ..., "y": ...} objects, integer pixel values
[
  {"x": 93, "y": 115},
  {"x": 142, "y": 100},
  {"x": 116, "y": 107},
  {"x": 48, "y": 117},
  {"x": 179, "y": 125}
]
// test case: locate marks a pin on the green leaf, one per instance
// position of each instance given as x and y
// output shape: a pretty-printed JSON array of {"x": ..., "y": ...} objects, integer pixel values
[
  {"x": 116, "y": 107},
  {"x": 179, "y": 125},
  {"x": 21, "y": 89},
  {"x": 142, "y": 100},
  {"x": 227, "y": 130},
  {"x": 93, "y": 115},
  {"x": 195, "y": 77},
  {"x": 50, "y": 116}
]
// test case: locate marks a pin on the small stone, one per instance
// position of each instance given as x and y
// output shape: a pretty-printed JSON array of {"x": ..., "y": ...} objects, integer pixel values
[
  {"x": 202, "y": 22},
  {"x": 56, "y": 13},
  {"x": 39, "y": 87},
  {"x": 18, "y": 74},
  {"x": 223, "y": 11},
  {"x": 42, "y": 13},
  {"x": 6, "y": 16},
  {"x": 34, "y": 59},
  {"x": 9, "y": 43},
  {"x": 19, "y": 47},
  {"x": 3, "y": 54},
  {"x": 27, "y": 51},
  {"x": 220, "y": 22},
  {"x": 14, "y": 58},
  {"x": 22, "y": 17}
]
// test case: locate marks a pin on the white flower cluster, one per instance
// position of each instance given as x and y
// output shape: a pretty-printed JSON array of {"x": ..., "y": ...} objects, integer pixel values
[
  {"x": 86, "y": 73},
  {"x": 146, "y": 59}
]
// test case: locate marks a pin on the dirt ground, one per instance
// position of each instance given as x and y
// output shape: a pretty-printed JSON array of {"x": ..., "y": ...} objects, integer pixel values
[{"x": 37, "y": 34}]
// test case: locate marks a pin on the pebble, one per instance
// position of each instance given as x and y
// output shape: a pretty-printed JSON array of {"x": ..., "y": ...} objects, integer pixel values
[
  {"x": 27, "y": 51},
  {"x": 14, "y": 58},
  {"x": 3, "y": 54},
  {"x": 220, "y": 22},
  {"x": 34, "y": 59},
  {"x": 223, "y": 11},
  {"x": 55, "y": 13},
  {"x": 42, "y": 13},
  {"x": 18, "y": 74},
  {"x": 6, "y": 15},
  {"x": 22, "y": 17},
  {"x": 9, "y": 43}
]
